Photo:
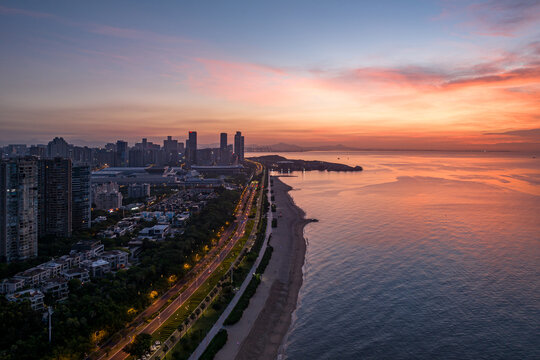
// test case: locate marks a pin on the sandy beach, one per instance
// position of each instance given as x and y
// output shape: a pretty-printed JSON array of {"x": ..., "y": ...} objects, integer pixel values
[{"x": 260, "y": 332}]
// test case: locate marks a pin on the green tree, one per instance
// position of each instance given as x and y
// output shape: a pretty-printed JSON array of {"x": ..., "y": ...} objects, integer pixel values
[{"x": 141, "y": 345}]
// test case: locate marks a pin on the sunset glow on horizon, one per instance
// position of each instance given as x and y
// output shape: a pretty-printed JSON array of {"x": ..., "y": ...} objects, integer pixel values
[{"x": 388, "y": 75}]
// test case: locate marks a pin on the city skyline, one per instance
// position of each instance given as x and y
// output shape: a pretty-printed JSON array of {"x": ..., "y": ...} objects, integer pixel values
[{"x": 431, "y": 75}]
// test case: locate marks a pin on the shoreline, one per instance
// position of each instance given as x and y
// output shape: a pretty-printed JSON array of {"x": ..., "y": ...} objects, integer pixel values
[{"x": 269, "y": 330}]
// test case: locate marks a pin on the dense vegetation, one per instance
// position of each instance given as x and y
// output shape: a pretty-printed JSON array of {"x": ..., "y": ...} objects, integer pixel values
[
  {"x": 251, "y": 289},
  {"x": 215, "y": 345},
  {"x": 140, "y": 345},
  {"x": 98, "y": 309}
]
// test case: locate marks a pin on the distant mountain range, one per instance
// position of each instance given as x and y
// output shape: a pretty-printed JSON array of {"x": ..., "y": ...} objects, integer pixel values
[{"x": 283, "y": 147}]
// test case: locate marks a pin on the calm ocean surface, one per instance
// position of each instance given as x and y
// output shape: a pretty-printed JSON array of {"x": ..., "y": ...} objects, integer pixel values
[{"x": 421, "y": 256}]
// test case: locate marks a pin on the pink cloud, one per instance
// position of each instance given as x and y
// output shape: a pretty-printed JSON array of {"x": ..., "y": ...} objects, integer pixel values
[
  {"x": 245, "y": 82},
  {"x": 521, "y": 68}
]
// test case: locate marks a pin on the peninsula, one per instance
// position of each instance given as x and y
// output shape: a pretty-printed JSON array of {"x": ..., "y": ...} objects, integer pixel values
[{"x": 280, "y": 163}]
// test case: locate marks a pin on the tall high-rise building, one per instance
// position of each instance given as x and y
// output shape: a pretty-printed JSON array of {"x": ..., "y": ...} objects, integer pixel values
[
  {"x": 18, "y": 209},
  {"x": 239, "y": 146},
  {"x": 54, "y": 197},
  {"x": 80, "y": 197},
  {"x": 82, "y": 154},
  {"x": 136, "y": 157},
  {"x": 107, "y": 196},
  {"x": 170, "y": 149},
  {"x": 122, "y": 153},
  {"x": 223, "y": 151},
  {"x": 223, "y": 141},
  {"x": 191, "y": 149},
  {"x": 58, "y": 147},
  {"x": 38, "y": 150}
]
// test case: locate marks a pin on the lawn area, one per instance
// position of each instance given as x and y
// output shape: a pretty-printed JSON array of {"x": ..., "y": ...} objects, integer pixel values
[{"x": 200, "y": 328}]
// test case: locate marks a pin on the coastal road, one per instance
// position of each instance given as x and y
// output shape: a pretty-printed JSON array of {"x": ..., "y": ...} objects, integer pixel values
[
  {"x": 202, "y": 272},
  {"x": 219, "y": 323}
]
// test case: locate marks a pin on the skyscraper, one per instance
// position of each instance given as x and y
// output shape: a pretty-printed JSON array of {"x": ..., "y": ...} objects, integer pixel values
[
  {"x": 191, "y": 149},
  {"x": 54, "y": 200},
  {"x": 223, "y": 151},
  {"x": 223, "y": 141},
  {"x": 239, "y": 146},
  {"x": 18, "y": 209},
  {"x": 122, "y": 152},
  {"x": 80, "y": 197},
  {"x": 170, "y": 148}
]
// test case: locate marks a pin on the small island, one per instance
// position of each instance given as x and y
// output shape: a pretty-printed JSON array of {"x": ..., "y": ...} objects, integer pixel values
[{"x": 280, "y": 163}]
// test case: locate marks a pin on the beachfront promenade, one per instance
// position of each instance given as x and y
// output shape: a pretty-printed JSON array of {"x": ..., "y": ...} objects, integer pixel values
[
  {"x": 219, "y": 324},
  {"x": 264, "y": 324}
]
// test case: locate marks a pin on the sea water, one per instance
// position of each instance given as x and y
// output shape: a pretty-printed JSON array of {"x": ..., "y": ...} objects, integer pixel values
[{"x": 420, "y": 256}]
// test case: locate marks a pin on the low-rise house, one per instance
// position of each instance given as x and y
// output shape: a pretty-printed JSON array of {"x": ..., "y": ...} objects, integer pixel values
[
  {"x": 156, "y": 232},
  {"x": 64, "y": 261},
  {"x": 117, "y": 259},
  {"x": 34, "y": 276},
  {"x": 57, "y": 287},
  {"x": 54, "y": 268},
  {"x": 88, "y": 249},
  {"x": 35, "y": 297},
  {"x": 180, "y": 220},
  {"x": 77, "y": 273},
  {"x": 97, "y": 268},
  {"x": 10, "y": 286},
  {"x": 135, "y": 249},
  {"x": 107, "y": 234},
  {"x": 74, "y": 259}
]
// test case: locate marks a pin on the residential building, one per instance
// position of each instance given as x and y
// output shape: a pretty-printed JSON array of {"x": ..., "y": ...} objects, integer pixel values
[
  {"x": 121, "y": 153},
  {"x": 224, "y": 155},
  {"x": 56, "y": 287},
  {"x": 80, "y": 197},
  {"x": 139, "y": 190},
  {"x": 239, "y": 146},
  {"x": 117, "y": 259},
  {"x": 55, "y": 197},
  {"x": 107, "y": 196},
  {"x": 34, "y": 276},
  {"x": 33, "y": 296},
  {"x": 39, "y": 151},
  {"x": 18, "y": 209},
  {"x": 170, "y": 149},
  {"x": 97, "y": 268},
  {"x": 58, "y": 147},
  {"x": 88, "y": 249},
  {"x": 156, "y": 232},
  {"x": 10, "y": 286},
  {"x": 77, "y": 273},
  {"x": 191, "y": 149}
]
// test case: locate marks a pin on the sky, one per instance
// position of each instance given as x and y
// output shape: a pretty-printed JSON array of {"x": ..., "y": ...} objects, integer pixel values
[{"x": 458, "y": 75}]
